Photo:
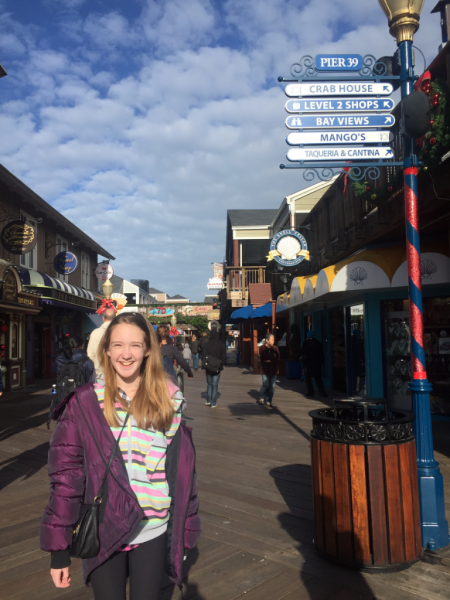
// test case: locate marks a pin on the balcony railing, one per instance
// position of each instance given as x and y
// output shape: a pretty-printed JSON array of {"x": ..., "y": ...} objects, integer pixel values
[{"x": 238, "y": 280}]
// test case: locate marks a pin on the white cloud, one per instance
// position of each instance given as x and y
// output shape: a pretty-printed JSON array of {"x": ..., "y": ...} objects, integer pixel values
[{"x": 144, "y": 131}]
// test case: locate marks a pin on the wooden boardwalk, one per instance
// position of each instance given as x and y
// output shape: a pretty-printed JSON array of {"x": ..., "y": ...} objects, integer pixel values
[{"x": 255, "y": 498}]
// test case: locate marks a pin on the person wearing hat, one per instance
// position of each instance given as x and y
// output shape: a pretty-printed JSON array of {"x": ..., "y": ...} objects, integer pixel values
[{"x": 313, "y": 360}]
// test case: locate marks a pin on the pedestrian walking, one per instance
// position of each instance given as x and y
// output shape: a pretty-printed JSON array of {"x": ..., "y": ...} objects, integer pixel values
[
  {"x": 313, "y": 360},
  {"x": 202, "y": 342},
  {"x": 269, "y": 359},
  {"x": 195, "y": 349},
  {"x": 168, "y": 349},
  {"x": 187, "y": 353},
  {"x": 150, "y": 492},
  {"x": 95, "y": 339},
  {"x": 214, "y": 357},
  {"x": 73, "y": 353}
]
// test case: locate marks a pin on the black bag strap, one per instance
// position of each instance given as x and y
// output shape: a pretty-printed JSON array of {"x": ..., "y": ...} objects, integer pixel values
[
  {"x": 81, "y": 362},
  {"x": 98, "y": 497}
]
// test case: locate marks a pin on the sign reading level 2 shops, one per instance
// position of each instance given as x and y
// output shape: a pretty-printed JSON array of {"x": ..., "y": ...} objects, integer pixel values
[
  {"x": 340, "y": 153},
  {"x": 338, "y": 137},
  {"x": 341, "y": 121},
  {"x": 339, "y": 88},
  {"x": 340, "y": 105}
]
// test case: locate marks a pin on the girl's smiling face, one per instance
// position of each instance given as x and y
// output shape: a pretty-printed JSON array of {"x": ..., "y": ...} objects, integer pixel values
[{"x": 127, "y": 350}]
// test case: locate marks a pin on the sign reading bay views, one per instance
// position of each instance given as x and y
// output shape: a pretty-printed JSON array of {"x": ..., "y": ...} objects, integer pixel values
[
  {"x": 341, "y": 121},
  {"x": 340, "y": 153},
  {"x": 338, "y": 137},
  {"x": 340, "y": 105},
  {"x": 344, "y": 88}
]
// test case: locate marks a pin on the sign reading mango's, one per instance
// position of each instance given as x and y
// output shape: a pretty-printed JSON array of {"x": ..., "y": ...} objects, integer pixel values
[
  {"x": 340, "y": 153},
  {"x": 339, "y": 137}
]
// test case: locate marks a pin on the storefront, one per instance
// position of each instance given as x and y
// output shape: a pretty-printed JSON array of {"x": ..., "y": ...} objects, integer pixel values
[
  {"x": 17, "y": 306},
  {"x": 63, "y": 311},
  {"x": 359, "y": 309}
]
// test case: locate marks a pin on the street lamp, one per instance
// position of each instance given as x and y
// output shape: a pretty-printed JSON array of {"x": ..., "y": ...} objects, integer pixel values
[
  {"x": 107, "y": 288},
  {"x": 403, "y": 18},
  {"x": 173, "y": 320}
]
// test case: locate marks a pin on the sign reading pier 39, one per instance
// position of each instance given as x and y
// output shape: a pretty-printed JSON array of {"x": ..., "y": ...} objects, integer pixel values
[{"x": 288, "y": 248}]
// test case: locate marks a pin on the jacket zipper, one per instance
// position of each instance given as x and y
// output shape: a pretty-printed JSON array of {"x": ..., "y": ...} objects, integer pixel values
[{"x": 186, "y": 511}]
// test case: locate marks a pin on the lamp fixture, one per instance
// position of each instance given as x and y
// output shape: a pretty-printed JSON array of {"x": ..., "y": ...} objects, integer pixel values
[{"x": 403, "y": 17}]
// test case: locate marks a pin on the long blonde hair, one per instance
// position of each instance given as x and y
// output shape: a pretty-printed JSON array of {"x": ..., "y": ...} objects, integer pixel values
[{"x": 152, "y": 405}]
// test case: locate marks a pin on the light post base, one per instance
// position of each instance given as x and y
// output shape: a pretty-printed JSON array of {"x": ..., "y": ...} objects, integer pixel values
[
  {"x": 435, "y": 532},
  {"x": 431, "y": 493}
]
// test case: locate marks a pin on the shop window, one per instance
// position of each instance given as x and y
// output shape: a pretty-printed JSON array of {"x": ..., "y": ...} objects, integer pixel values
[
  {"x": 397, "y": 350},
  {"x": 85, "y": 271},
  {"x": 61, "y": 246},
  {"x": 14, "y": 349},
  {"x": 29, "y": 260}
]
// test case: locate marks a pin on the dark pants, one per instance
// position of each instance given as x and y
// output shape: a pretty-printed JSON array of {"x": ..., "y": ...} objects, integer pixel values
[
  {"x": 144, "y": 565},
  {"x": 195, "y": 358},
  {"x": 318, "y": 378},
  {"x": 213, "y": 384},
  {"x": 268, "y": 388}
]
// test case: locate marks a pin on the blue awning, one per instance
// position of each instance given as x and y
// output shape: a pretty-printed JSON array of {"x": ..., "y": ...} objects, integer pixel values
[
  {"x": 242, "y": 313},
  {"x": 262, "y": 311}
]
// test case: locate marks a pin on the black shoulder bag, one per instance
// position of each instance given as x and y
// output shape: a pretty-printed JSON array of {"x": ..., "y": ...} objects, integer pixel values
[{"x": 85, "y": 540}]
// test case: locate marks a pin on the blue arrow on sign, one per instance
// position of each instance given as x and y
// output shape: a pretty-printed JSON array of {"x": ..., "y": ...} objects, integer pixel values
[
  {"x": 340, "y": 105},
  {"x": 341, "y": 121}
]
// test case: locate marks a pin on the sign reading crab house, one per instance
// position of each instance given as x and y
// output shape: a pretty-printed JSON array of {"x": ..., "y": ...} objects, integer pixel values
[{"x": 288, "y": 248}]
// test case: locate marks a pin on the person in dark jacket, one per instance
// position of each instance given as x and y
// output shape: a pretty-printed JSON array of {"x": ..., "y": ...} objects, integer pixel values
[
  {"x": 269, "y": 359},
  {"x": 202, "y": 342},
  {"x": 215, "y": 348},
  {"x": 72, "y": 353},
  {"x": 143, "y": 526},
  {"x": 313, "y": 359},
  {"x": 195, "y": 349},
  {"x": 171, "y": 351}
]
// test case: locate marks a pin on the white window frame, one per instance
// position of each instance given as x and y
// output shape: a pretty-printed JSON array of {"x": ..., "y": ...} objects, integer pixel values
[
  {"x": 85, "y": 271},
  {"x": 61, "y": 245},
  {"x": 29, "y": 260}
]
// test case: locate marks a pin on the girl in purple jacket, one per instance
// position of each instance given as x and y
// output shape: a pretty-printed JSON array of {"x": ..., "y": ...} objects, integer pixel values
[{"x": 148, "y": 515}]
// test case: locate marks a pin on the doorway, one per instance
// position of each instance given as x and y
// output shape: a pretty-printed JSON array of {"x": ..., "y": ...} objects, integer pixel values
[{"x": 356, "y": 356}]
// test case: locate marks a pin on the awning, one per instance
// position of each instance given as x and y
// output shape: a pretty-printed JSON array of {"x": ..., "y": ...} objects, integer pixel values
[
  {"x": 242, "y": 313},
  {"x": 32, "y": 278},
  {"x": 262, "y": 311},
  {"x": 381, "y": 268}
]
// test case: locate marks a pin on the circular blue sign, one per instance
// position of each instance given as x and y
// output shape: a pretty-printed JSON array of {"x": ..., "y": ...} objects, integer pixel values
[
  {"x": 288, "y": 248},
  {"x": 65, "y": 263}
]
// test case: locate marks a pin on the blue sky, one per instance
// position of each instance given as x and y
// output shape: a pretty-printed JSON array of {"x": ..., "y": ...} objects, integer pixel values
[{"x": 143, "y": 121}]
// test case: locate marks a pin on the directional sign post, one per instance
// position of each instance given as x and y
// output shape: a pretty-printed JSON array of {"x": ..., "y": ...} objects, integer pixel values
[
  {"x": 340, "y": 153},
  {"x": 340, "y": 105},
  {"x": 339, "y": 137},
  {"x": 341, "y": 121},
  {"x": 341, "y": 88}
]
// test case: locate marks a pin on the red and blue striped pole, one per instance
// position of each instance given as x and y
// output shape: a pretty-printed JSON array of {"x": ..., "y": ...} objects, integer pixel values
[{"x": 431, "y": 486}]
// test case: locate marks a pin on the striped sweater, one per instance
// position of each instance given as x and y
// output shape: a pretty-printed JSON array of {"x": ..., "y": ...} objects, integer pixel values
[{"x": 144, "y": 453}]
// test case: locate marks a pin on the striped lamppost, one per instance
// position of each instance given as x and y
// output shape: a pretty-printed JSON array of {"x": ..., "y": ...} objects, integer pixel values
[{"x": 403, "y": 17}]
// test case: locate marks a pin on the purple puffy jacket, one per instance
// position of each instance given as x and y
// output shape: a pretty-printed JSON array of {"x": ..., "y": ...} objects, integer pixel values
[{"x": 76, "y": 469}]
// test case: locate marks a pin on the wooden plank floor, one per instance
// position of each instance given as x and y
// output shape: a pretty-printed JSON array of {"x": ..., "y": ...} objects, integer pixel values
[{"x": 255, "y": 499}]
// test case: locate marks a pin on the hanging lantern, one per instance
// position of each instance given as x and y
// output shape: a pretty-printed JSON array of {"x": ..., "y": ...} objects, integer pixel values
[
  {"x": 433, "y": 141},
  {"x": 367, "y": 188},
  {"x": 390, "y": 188},
  {"x": 373, "y": 197},
  {"x": 428, "y": 135}
]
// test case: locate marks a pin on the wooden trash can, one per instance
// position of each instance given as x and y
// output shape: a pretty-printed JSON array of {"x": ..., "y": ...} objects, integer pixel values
[{"x": 366, "y": 498}]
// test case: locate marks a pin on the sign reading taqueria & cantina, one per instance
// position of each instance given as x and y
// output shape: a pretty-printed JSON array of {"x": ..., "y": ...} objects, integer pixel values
[{"x": 18, "y": 237}]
